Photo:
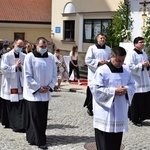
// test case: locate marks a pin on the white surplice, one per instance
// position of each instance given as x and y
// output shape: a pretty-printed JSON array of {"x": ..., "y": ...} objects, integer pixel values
[
  {"x": 92, "y": 58},
  {"x": 39, "y": 72},
  {"x": 110, "y": 110},
  {"x": 12, "y": 77},
  {"x": 140, "y": 75}
]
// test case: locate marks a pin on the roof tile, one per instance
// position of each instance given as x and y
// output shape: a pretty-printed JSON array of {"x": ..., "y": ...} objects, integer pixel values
[{"x": 26, "y": 10}]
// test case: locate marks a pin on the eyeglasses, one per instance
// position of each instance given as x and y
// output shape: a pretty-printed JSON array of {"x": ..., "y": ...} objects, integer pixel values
[{"x": 141, "y": 42}]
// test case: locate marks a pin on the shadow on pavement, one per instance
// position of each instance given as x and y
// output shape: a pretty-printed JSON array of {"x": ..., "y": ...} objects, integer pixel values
[
  {"x": 60, "y": 126},
  {"x": 55, "y": 95},
  {"x": 53, "y": 140}
]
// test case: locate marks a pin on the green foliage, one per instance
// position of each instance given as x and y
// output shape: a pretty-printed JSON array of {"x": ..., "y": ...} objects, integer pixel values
[
  {"x": 146, "y": 36},
  {"x": 120, "y": 28},
  {"x": 146, "y": 32}
]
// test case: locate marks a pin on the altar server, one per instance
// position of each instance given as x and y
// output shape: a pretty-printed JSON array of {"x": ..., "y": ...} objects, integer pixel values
[
  {"x": 13, "y": 105},
  {"x": 97, "y": 55},
  {"x": 139, "y": 66},
  {"x": 112, "y": 88},
  {"x": 40, "y": 76}
]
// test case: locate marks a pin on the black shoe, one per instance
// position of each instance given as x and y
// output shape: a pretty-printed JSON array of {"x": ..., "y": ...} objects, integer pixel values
[
  {"x": 19, "y": 130},
  {"x": 43, "y": 147},
  {"x": 90, "y": 112},
  {"x": 137, "y": 124},
  {"x": 7, "y": 126}
]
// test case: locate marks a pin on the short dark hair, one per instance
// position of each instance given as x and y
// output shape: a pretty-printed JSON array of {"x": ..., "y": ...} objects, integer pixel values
[
  {"x": 137, "y": 39},
  {"x": 119, "y": 51},
  {"x": 57, "y": 50},
  {"x": 102, "y": 34},
  {"x": 41, "y": 38}
]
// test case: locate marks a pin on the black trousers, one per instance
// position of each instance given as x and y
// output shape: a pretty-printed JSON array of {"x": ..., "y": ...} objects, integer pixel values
[
  {"x": 37, "y": 122},
  {"x": 0, "y": 107},
  {"x": 108, "y": 141},
  {"x": 13, "y": 115},
  {"x": 88, "y": 101},
  {"x": 4, "y": 113},
  {"x": 140, "y": 107},
  {"x": 72, "y": 67}
]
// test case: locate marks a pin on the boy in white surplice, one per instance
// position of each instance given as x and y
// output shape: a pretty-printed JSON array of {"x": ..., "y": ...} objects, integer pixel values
[{"x": 112, "y": 88}]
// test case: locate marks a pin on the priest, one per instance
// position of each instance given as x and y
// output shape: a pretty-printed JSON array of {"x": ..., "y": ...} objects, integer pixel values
[
  {"x": 113, "y": 88},
  {"x": 40, "y": 76},
  {"x": 13, "y": 105}
]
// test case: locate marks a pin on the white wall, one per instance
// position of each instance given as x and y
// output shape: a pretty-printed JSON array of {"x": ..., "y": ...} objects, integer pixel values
[{"x": 136, "y": 13}]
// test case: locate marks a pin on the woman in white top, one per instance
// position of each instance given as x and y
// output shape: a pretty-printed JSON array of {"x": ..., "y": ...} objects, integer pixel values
[{"x": 73, "y": 65}]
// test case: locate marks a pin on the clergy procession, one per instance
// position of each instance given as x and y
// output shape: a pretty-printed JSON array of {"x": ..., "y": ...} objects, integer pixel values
[
  {"x": 118, "y": 89},
  {"x": 26, "y": 85}
]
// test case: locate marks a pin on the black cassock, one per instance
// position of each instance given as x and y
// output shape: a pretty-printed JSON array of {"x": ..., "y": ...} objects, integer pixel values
[
  {"x": 36, "y": 122},
  {"x": 13, "y": 115},
  {"x": 140, "y": 107},
  {"x": 88, "y": 101}
]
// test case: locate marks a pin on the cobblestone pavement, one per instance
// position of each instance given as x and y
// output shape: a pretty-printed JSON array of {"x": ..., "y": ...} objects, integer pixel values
[{"x": 70, "y": 127}]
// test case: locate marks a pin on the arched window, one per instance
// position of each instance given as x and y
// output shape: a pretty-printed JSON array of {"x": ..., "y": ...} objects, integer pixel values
[
  {"x": 69, "y": 8},
  {"x": 69, "y": 25}
]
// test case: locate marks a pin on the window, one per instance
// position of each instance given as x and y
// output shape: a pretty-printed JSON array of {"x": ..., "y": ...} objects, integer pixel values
[
  {"x": 92, "y": 27},
  {"x": 69, "y": 8},
  {"x": 19, "y": 36},
  {"x": 69, "y": 27}
]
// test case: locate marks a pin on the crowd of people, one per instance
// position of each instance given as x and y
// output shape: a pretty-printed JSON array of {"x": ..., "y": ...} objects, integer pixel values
[
  {"x": 28, "y": 75},
  {"x": 118, "y": 88}
]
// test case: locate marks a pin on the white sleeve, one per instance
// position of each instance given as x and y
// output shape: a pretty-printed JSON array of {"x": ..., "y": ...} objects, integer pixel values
[
  {"x": 103, "y": 95},
  {"x": 8, "y": 71},
  {"x": 135, "y": 67},
  {"x": 28, "y": 74},
  {"x": 90, "y": 59}
]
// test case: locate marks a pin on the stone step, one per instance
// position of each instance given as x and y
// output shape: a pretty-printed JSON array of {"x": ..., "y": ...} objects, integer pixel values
[
  {"x": 84, "y": 68},
  {"x": 83, "y": 72}
]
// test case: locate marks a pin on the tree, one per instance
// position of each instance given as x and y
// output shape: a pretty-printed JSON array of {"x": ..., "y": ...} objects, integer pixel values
[
  {"x": 119, "y": 29},
  {"x": 146, "y": 36}
]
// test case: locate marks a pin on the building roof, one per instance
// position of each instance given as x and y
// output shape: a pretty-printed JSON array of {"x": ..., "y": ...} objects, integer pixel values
[{"x": 25, "y": 11}]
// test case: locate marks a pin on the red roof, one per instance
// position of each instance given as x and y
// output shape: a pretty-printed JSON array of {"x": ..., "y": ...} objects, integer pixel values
[{"x": 25, "y": 11}]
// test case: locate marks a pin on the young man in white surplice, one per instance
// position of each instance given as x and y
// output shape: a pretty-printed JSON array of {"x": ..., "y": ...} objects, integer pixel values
[{"x": 113, "y": 88}]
